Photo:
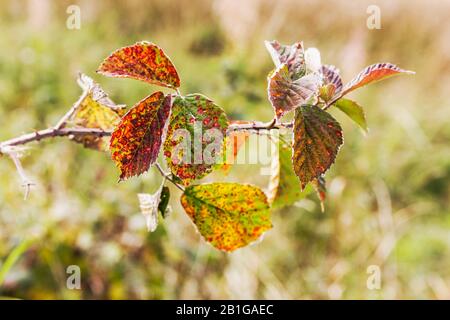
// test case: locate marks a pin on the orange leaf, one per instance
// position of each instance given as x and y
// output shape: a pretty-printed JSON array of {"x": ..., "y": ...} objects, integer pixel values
[
  {"x": 143, "y": 61},
  {"x": 372, "y": 73}
]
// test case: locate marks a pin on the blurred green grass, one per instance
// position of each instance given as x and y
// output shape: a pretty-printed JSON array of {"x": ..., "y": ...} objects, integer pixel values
[{"x": 388, "y": 199}]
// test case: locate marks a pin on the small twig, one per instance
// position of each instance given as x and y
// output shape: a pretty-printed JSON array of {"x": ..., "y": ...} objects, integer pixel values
[
  {"x": 331, "y": 102},
  {"x": 26, "y": 182},
  {"x": 168, "y": 176},
  {"x": 259, "y": 126}
]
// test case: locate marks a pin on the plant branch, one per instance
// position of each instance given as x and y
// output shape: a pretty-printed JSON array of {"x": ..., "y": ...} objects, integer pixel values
[
  {"x": 168, "y": 176},
  {"x": 63, "y": 132},
  {"x": 52, "y": 133},
  {"x": 259, "y": 126},
  {"x": 59, "y": 130}
]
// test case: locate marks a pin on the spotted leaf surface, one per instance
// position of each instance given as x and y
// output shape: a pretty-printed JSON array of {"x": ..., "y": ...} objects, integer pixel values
[
  {"x": 372, "y": 73},
  {"x": 317, "y": 139},
  {"x": 143, "y": 61},
  {"x": 292, "y": 56},
  {"x": 284, "y": 187},
  {"x": 354, "y": 111},
  {"x": 136, "y": 142},
  {"x": 227, "y": 215},
  {"x": 286, "y": 94},
  {"x": 195, "y": 137},
  {"x": 95, "y": 110}
]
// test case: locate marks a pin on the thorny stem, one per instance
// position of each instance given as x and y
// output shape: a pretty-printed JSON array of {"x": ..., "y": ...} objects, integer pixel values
[
  {"x": 53, "y": 132},
  {"x": 59, "y": 130}
]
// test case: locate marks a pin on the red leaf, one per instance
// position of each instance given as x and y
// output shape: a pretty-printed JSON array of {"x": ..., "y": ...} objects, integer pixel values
[
  {"x": 372, "y": 73},
  {"x": 291, "y": 55},
  {"x": 317, "y": 139},
  {"x": 143, "y": 61},
  {"x": 136, "y": 142},
  {"x": 286, "y": 94}
]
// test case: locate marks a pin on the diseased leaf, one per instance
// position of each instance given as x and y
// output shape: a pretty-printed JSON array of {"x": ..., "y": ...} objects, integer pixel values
[
  {"x": 143, "y": 61},
  {"x": 319, "y": 185},
  {"x": 195, "y": 137},
  {"x": 284, "y": 188},
  {"x": 286, "y": 94},
  {"x": 292, "y": 56},
  {"x": 136, "y": 142},
  {"x": 372, "y": 73},
  {"x": 353, "y": 110},
  {"x": 96, "y": 110},
  {"x": 317, "y": 139},
  {"x": 227, "y": 215}
]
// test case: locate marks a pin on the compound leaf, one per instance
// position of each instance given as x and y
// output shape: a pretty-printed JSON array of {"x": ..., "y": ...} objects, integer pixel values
[
  {"x": 227, "y": 215},
  {"x": 317, "y": 139},
  {"x": 195, "y": 136},
  {"x": 136, "y": 141},
  {"x": 143, "y": 61},
  {"x": 354, "y": 111}
]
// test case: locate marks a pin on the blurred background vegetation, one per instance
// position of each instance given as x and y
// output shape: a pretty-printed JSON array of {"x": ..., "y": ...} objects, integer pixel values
[{"x": 388, "y": 201}]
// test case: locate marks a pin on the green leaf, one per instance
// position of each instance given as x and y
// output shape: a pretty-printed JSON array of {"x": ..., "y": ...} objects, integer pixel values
[
  {"x": 284, "y": 188},
  {"x": 164, "y": 201},
  {"x": 136, "y": 141},
  {"x": 195, "y": 137},
  {"x": 227, "y": 215},
  {"x": 317, "y": 139},
  {"x": 354, "y": 111},
  {"x": 143, "y": 61},
  {"x": 12, "y": 258}
]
